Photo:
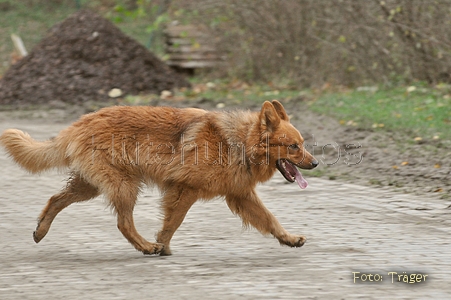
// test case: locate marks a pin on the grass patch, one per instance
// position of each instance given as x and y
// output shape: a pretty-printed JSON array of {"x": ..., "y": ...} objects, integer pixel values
[
  {"x": 237, "y": 91},
  {"x": 30, "y": 20},
  {"x": 419, "y": 112}
]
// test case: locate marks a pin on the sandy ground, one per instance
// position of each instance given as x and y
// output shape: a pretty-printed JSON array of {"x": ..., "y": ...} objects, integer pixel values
[{"x": 349, "y": 228}]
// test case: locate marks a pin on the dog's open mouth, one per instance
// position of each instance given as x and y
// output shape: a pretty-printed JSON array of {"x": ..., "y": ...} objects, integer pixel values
[{"x": 291, "y": 172}]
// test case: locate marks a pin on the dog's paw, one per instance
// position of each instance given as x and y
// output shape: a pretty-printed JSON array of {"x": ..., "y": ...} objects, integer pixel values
[
  {"x": 166, "y": 251},
  {"x": 294, "y": 241},
  {"x": 155, "y": 249},
  {"x": 35, "y": 237},
  {"x": 38, "y": 235},
  {"x": 300, "y": 241}
]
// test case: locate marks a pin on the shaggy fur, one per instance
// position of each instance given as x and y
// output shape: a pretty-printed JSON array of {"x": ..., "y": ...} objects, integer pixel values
[{"x": 190, "y": 154}]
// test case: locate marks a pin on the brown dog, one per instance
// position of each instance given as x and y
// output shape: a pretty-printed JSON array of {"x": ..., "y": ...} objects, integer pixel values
[{"x": 189, "y": 154}]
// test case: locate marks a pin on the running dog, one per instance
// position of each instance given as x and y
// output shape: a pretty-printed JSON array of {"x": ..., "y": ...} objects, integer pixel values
[{"x": 189, "y": 154}]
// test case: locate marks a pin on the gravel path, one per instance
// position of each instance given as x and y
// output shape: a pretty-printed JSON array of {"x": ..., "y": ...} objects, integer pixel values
[{"x": 349, "y": 228}]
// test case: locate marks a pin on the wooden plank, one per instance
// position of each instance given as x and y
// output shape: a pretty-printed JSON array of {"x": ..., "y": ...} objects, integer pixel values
[
  {"x": 190, "y": 48},
  {"x": 184, "y": 31},
  {"x": 186, "y": 41},
  {"x": 192, "y": 64},
  {"x": 194, "y": 56},
  {"x": 185, "y": 34}
]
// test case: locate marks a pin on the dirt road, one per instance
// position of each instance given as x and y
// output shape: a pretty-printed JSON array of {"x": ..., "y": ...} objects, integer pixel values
[{"x": 349, "y": 229}]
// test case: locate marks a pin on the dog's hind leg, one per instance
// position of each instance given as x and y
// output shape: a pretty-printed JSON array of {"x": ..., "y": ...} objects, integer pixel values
[
  {"x": 176, "y": 203},
  {"x": 123, "y": 200},
  {"x": 77, "y": 190},
  {"x": 252, "y": 211}
]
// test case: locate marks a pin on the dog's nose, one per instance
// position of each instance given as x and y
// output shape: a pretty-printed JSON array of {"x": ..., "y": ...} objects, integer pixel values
[{"x": 315, "y": 163}]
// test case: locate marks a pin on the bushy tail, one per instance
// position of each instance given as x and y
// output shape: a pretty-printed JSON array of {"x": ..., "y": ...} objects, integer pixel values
[{"x": 32, "y": 155}]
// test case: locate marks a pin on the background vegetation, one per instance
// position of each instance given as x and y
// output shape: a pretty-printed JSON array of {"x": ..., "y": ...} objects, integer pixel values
[
  {"x": 377, "y": 64},
  {"x": 343, "y": 42},
  {"x": 308, "y": 42}
]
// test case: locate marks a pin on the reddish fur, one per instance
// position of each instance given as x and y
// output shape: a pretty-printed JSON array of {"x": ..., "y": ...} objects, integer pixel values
[{"x": 110, "y": 152}]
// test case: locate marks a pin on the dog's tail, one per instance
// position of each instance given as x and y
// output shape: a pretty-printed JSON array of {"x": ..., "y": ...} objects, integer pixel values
[{"x": 32, "y": 155}]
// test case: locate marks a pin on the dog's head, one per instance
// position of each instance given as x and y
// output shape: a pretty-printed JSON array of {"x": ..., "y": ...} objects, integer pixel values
[{"x": 284, "y": 143}]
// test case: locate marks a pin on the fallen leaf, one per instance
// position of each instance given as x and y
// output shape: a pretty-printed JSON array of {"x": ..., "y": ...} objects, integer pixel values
[
  {"x": 395, "y": 167},
  {"x": 417, "y": 139},
  {"x": 404, "y": 163},
  {"x": 437, "y": 166}
]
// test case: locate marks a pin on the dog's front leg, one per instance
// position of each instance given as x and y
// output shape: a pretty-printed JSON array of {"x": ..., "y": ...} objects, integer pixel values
[
  {"x": 252, "y": 211},
  {"x": 176, "y": 203}
]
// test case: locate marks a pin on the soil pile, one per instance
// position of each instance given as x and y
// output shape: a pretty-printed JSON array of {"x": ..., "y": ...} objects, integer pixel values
[{"x": 81, "y": 59}]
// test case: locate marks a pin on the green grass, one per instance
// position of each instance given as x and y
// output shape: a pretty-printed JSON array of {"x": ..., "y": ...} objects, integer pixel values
[
  {"x": 30, "y": 21},
  {"x": 418, "y": 112},
  {"x": 237, "y": 91}
]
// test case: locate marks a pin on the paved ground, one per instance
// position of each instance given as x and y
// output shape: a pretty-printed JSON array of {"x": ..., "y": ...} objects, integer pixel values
[{"x": 349, "y": 229}]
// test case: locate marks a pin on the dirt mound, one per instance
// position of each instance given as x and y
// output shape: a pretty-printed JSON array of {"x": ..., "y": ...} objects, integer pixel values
[{"x": 83, "y": 58}]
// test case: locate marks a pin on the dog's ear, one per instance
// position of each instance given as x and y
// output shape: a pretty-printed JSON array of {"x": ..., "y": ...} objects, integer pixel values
[
  {"x": 269, "y": 118},
  {"x": 280, "y": 110}
]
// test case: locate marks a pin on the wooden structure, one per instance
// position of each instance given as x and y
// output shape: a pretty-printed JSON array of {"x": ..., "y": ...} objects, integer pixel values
[{"x": 189, "y": 48}]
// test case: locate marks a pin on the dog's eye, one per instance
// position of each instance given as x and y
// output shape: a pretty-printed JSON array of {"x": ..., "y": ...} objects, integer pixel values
[{"x": 294, "y": 146}]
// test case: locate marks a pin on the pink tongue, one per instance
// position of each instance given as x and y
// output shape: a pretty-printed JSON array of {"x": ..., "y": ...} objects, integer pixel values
[{"x": 300, "y": 180}]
